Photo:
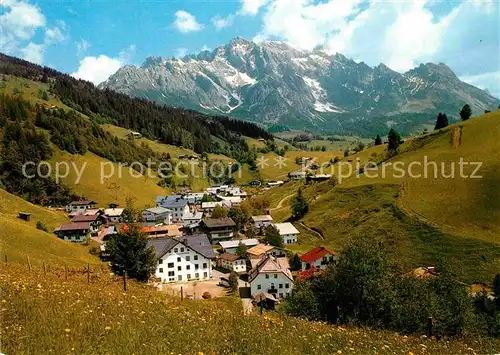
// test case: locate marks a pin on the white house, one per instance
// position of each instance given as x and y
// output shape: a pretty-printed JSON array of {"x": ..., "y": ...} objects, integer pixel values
[
  {"x": 113, "y": 215},
  {"x": 183, "y": 258},
  {"x": 230, "y": 246},
  {"x": 232, "y": 262},
  {"x": 93, "y": 220},
  {"x": 298, "y": 175},
  {"x": 270, "y": 276},
  {"x": 157, "y": 215},
  {"x": 192, "y": 219},
  {"x": 319, "y": 258},
  {"x": 80, "y": 206},
  {"x": 73, "y": 232},
  {"x": 262, "y": 221},
  {"x": 288, "y": 232},
  {"x": 178, "y": 207}
]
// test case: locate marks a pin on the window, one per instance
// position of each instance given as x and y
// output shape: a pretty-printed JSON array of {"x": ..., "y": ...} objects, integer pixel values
[
  {"x": 280, "y": 285},
  {"x": 179, "y": 277},
  {"x": 287, "y": 285},
  {"x": 182, "y": 250},
  {"x": 197, "y": 276},
  {"x": 160, "y": 261},
  {"x": 196, "y": 257},
  {"x": 275, "y": 276},
  {"x": 281, "y": 295},
  {"x": 176, "y": 250},
  {"x": 170, "y": 265},
  {"x": 178, "y": 259},
  {"x": 196, "y": 266},
  {"x": 170, "y": 273},
  {"x": 161, "y": 269},
  {"x": 188, "y": 258},
  {"x": 188, "y": 267},
  {"x": 179, "y": 268},
  {"x": 267, "y": 276},
  {"x": 204, "y": 265},
  {"x": 189, "y": 276},
  {"x": 205, "y": 274},
  {"x": 259, "y": 287}
]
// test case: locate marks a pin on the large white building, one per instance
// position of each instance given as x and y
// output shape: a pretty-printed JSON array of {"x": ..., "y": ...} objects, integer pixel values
[
  {"x": 270, "y": 276},
  {"x": 183, "y": 258},
  {"x": 178, "y": 208},
  {"x": 288, "y": 232},
  {"x": 80, "y": 206},
  {"x": 157, "y": 215},
  {"x": 262, "y": 221},
  {"x": 232, "y": 262}
]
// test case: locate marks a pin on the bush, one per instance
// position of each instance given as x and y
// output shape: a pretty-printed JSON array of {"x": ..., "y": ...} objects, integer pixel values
[{"x": 41, "y": 226}]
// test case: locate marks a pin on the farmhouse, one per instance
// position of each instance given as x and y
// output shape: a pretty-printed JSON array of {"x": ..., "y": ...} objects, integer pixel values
[
  {"x": 270, "y": 276},
  {"x": 319, "y": 258},
  {"x": 94, "y": 221},
  {"x": 232, "y": 262},
  {"x": 262, "y": 221},
  {"x": 183, "y": 258},
  {"x": 230, "y": 246},
  {"x": 80, "y": 206},
  {"x": 219, "y": 228},
  {"x": 74, "y": 231},
  {"x": 114, "y": 215},
  {"x": 157, "y": 215},
  {"x": 288, "y": 232},
  {"x": 192, "y": 219}
]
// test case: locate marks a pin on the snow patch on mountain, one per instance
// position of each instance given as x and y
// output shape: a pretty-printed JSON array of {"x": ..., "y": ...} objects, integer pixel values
[{"x": 319, "y": 95}]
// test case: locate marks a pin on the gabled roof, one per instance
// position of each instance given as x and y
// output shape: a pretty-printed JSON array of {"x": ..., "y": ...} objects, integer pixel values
[
  {"x": 174, "y": 203},
  {"x": 157, "y": 210},
  {"x": 263, "y": 218},
  {"x": 113, "y": 212},
  {"x": 229, "y": 257},
  {"x": 286, "y": 228},
  {"x": 74, "y": 226},
  {"x": 219, "y": 222},
  {"x": 198, "y": 243},
  {"x": 85, "y": 218},
  {"x": 260, "y": 249},
  {"x": 316, "y": 254},
  {"x": 83, "y": 202},
  {"x": 234, "y": 243},
  {"x": 269, "y": 265}
]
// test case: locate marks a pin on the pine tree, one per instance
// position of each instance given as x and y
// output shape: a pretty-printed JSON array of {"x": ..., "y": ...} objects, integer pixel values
[
  {"x": 300, "y": 207},
  {"x": 465, "y": 112},
  {"x": 394, "y": 140},
  {"x": 442, "y": 121},
  {"x": 378, "y": 140},
  {"x": 295, "y": 263}
]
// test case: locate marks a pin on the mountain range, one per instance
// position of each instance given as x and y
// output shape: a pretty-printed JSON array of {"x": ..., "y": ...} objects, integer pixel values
[{"x": 281, "y": 88}]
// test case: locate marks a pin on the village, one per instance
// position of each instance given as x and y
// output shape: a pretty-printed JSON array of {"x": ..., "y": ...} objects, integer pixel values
[{"x": 199, "y": 248}]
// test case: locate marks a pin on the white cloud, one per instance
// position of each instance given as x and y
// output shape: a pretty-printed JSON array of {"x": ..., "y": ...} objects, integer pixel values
[
  {"x": 185, "y": 22},
  {"x": 205, "y": 48},
  {"x": 222, "y": 22},
  {"x": 56, "y": 34},
  {"x": 252, "y": 7},
  {"x": 180, "y": 52},
  {"x": 18, "y": 23},
  {"x": 99, "y": 69},
  {"x": 82, "y": 47},
  {"x": 485, "y": 81},
  {"x": 33, "y": 52}
]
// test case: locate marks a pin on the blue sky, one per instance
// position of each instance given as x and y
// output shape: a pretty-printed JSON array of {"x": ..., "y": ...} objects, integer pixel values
[{"x": 91, "y": 39}]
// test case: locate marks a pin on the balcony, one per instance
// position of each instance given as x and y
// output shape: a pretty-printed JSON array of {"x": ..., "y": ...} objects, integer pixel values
[{"x": 272, "y": 290}]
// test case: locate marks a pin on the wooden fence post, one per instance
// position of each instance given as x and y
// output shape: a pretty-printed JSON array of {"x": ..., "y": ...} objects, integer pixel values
[
  {"x": 66, "y": 272},
  {"x": 182, "y": 293},
  {"x": 88, "y": 273},
  {"x": 6, "y": 258},
  {"x": 44, "y": 269},
  {"x": 29, "y": 263},
  {"x": 430, "y": 327},
  {"x": 124, "y": 280}
]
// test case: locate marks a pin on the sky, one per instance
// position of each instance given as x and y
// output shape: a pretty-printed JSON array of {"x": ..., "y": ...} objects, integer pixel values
[{"x": 92, "y": 39}]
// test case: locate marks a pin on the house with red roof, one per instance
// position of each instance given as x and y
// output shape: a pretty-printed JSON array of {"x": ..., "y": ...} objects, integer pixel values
[{"x": 319, "y": 258}]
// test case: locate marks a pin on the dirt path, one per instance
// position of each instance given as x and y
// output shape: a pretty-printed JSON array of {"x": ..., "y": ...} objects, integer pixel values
[
  {"x": 280, "y": 204},
  {"x": 318, "y": 234}
]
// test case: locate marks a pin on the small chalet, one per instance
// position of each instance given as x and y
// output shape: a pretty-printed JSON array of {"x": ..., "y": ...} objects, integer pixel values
[
  {"x": 219, "y": 228},
  {"x": 261, "y": 250},
  {"x": 157, "y": 215},
  {"x": 318, "y": 258},
  {"x": 262, "y": 221},
  {"x": 288, "y": 232},
  {"x": 183, "y": 258},
  {"x": 113, "y": 215},
  {"x": 94, "y": 221},
  {"x": 232, "y": 262},
  {"x": 270, "y": 276},
  {"x": 230, "y": 246},
  {"x": 73, "y": 232},
  {"x": 80, "y": 206}
]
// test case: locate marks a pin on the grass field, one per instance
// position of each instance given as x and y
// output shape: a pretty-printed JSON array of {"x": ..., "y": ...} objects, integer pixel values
[
  {"x": 142, "y": 189},
  {"x": 19, "y": 238},
  {"x": 52, "y": 315}
]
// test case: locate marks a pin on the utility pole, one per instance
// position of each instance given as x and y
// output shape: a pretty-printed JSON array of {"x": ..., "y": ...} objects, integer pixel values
[{"x": 114, "y": 186}]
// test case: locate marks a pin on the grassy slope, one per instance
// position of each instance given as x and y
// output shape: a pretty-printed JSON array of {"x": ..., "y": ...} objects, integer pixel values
[
  {"x": 428, "y": 219},
  {"x": 52, "y": 315},
  {"x": 19, "y": 238},
  {"x": 142, "y": 189}
]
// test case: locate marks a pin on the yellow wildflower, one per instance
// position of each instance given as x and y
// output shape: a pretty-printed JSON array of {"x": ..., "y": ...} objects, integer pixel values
[
  {"x": 67, "y": 330},
  {"x": 107, "y": 327}
]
